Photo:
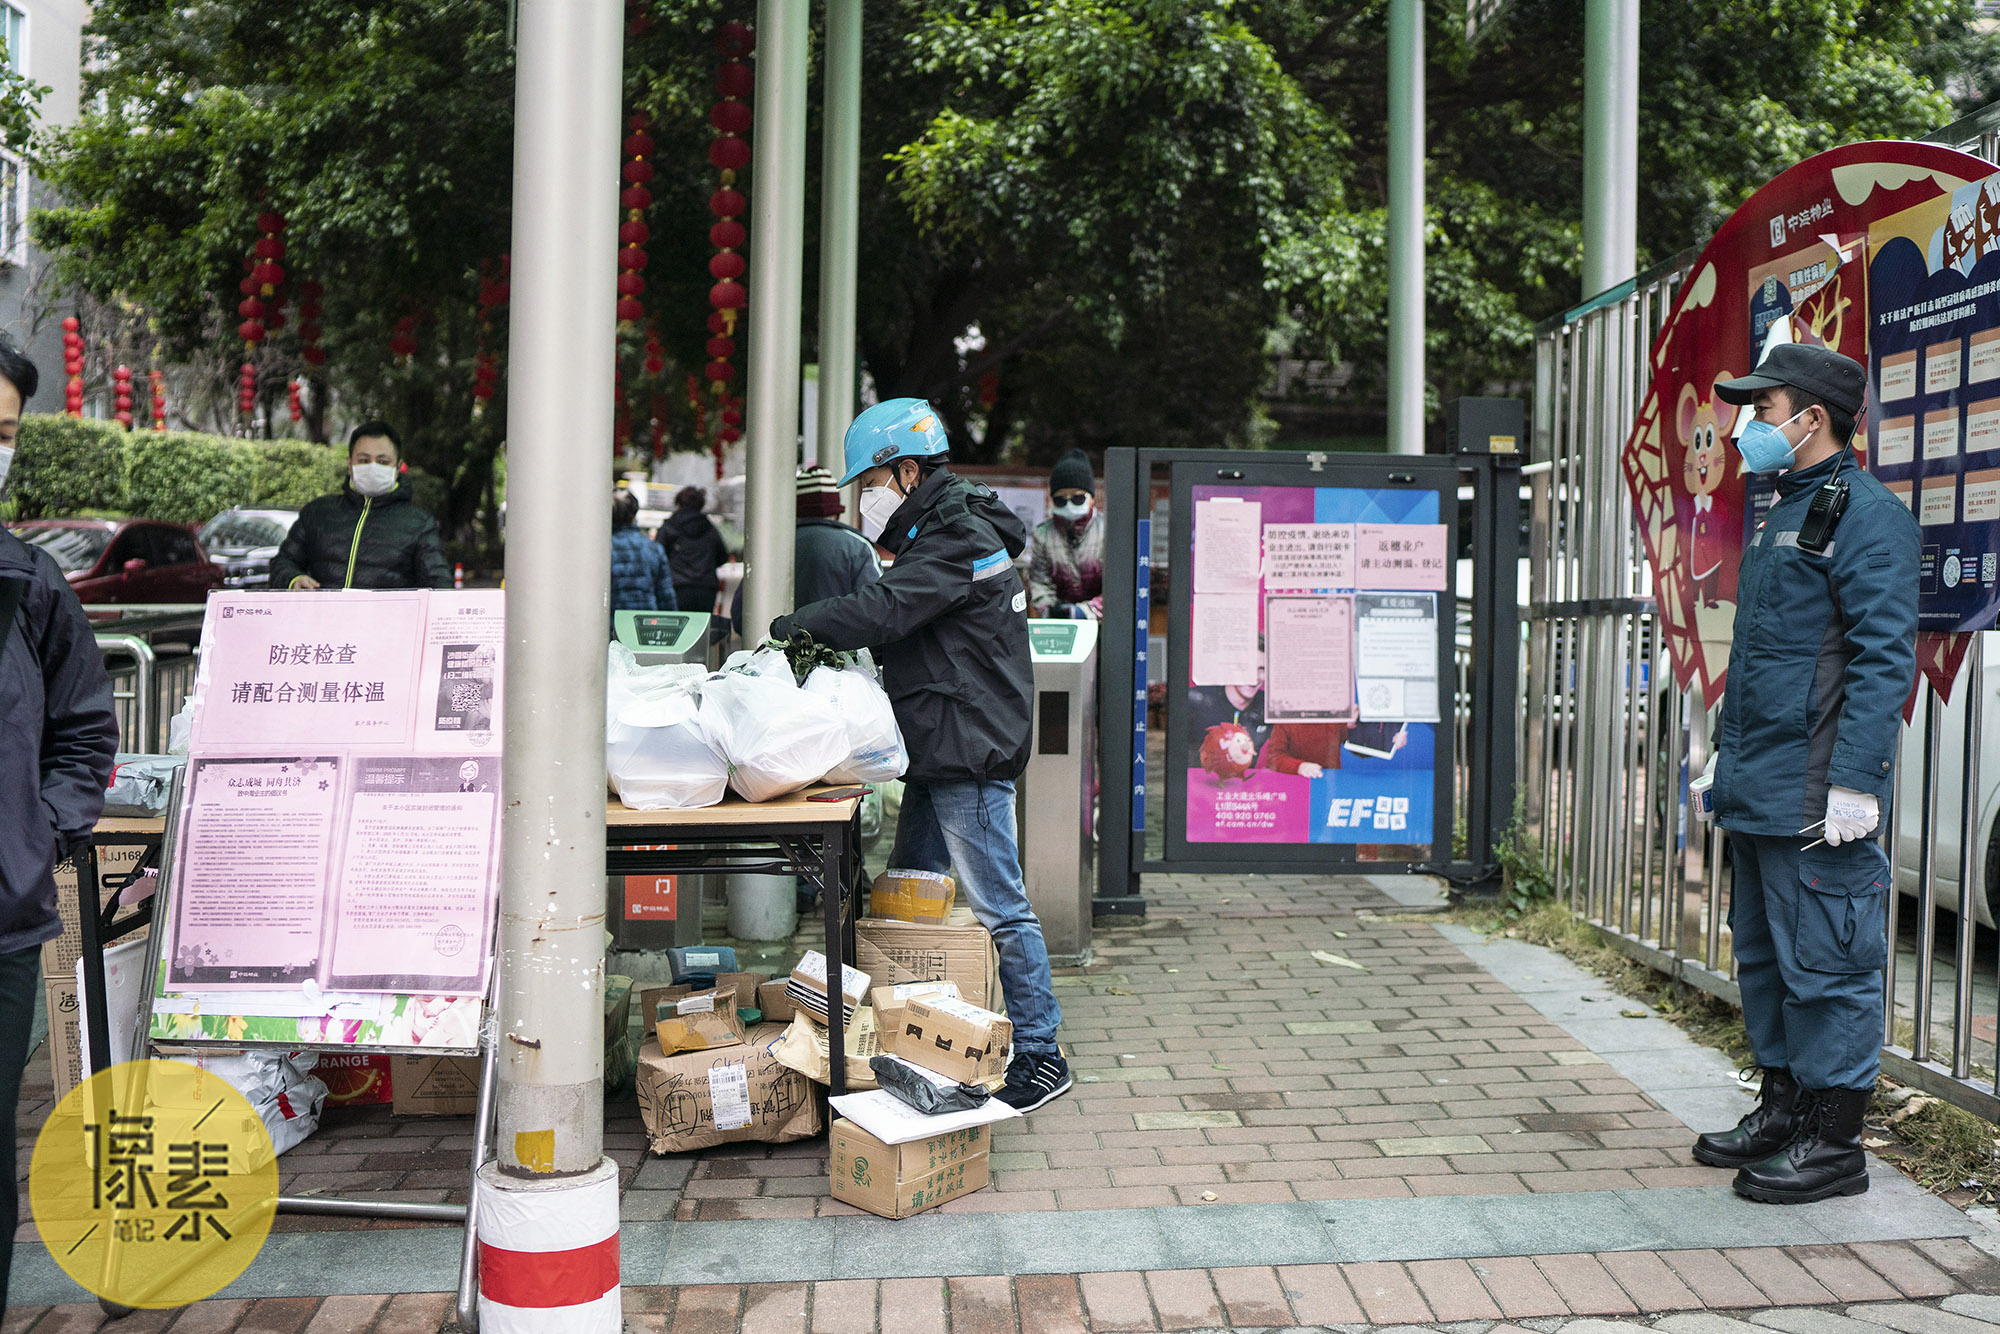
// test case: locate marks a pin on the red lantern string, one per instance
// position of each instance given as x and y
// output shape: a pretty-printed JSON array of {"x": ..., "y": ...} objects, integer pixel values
[
  {"x": 72, "y": 366},
  {"x": 633, "y": 233},
  {"x": 158, "y": 380},
  {"x": 728, "y": 154},
  {"x": 121, "y": 396},
  {"x": 310, "y": 310},
  {"x": 403, "y": 339},
  {"x": 292, "y": 400},
  {"x": 246, "y": 390}
]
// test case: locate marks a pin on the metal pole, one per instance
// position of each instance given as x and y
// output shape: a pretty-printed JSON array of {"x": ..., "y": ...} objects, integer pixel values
[
  {"x": 550, "y": 1102},
  {"x": 1920, "y": 1043},
  {"x": 777, "y": 283},
  {"x": 1970, "y": 864},
  {"x": 1406, "y": 227},
  {"x": 839, "y": 227},
  {"x": 1610, "y": 142}
]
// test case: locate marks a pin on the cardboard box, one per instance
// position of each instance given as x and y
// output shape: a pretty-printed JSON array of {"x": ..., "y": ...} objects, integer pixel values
[
  {"x": 888, "y": 1001},
  {"x": 913, "y": 896},
  {"x": 804, "y": 1048},
  {"x": 59, "y": 955},
  {"x": 355, "y": 1079},
  {"x": 762, "y": 1100},
  {"x": 898, "y": 1180},
  {"x": 434, "y": 1085},
  {"x": 775, "y": 1004},
  {"x": 65, "y": 1044},
  {"x": 959, "y": 951},
  {"x": 808, "y": 986},
  {"x": 955, "y": 1039},
  {"x": 699, "y": 1022},
  {"x": 744, "y": 985}
]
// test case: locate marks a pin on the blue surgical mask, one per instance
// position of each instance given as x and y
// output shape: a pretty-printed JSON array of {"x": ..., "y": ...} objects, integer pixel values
[{"x": 1765, "y": 447}]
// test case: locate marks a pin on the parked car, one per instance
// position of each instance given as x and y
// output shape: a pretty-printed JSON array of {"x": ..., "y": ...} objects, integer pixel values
[
  {"x": 1944, "y": 831},
  {"x": 243, "y": 541},
  {"x": 125, "y": 560}
]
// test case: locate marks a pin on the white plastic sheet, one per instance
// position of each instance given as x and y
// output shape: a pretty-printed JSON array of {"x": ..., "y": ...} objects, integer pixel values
[{"x": 776, "y": 737}]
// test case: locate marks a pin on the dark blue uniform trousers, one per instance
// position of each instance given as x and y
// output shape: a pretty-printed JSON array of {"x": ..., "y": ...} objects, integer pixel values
[{"x": 1810, "y": 945}]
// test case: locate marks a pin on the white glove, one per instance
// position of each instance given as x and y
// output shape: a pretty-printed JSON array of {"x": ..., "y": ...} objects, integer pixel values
[
  {"x": 1700, "y": 791},
  {"x": 1850, "y": 815}
]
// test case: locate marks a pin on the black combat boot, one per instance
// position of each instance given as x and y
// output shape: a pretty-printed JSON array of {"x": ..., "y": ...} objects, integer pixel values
[
  {"x": 1768, "y": 1128},
  {"x": 1824, "y": 1159}
]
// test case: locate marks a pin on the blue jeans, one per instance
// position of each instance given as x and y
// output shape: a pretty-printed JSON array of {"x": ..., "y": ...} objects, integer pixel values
[{"x": 969, "y": 828}]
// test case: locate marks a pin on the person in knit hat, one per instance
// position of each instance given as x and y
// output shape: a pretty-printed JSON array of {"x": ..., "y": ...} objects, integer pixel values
[
  {"x": 829, "y": 559},
  {"x": 1066, "y": 553}
]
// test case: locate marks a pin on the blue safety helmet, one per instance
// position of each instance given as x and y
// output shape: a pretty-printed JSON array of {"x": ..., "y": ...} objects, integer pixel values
[{"x": 902, "y": 428}]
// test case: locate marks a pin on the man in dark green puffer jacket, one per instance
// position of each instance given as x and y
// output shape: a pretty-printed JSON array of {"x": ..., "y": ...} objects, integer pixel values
[{"x": 368, "y": 534}]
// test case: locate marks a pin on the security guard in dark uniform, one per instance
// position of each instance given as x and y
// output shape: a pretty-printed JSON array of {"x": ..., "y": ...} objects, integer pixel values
[{"x": 1821, "y": 660}]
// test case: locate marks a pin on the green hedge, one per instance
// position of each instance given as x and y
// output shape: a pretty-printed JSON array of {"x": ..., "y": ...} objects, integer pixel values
[{"x": 67, "y": 465}]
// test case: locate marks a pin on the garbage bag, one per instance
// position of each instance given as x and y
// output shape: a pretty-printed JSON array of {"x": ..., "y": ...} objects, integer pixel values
[
  {"x": 139, "y": 784},
  {"x": 875, "y": 750},
  {"x": 655, "y": 753},
  {"x": 278, "y": 1085},
  {"x": 776, "y": 737},
  {"x": 180, "y": 728}
]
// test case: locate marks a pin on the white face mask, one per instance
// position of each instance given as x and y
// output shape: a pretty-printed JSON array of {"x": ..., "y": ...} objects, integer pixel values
[
  {"x": 374, "y": 479},
  {"x": 6, "y": 466},
  {"x": 1074, "y": 510},
  {"x": 879, "y": 505}
]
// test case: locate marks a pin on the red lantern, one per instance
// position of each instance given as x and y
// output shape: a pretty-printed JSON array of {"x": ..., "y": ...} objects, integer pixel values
[
  {"x": 268, "y": 274},
  {"x": 727, "y": 203},
  {"x": 734, "y": 79},
  {"x": 654, "y": 365},
  {"x": 314, "y": 356},
  {"x": 730, "y": 116},
  {"x": 250, "y": 308},
  {"x": 309, "y": 290},
  {"x": 158, "y": 380},
  {"x": 630, "y": 284},
  {"x": 730, "y": 435},
  {"x": 250, "y": 331},
  {"x": 637, "y": 172},
  {"x": 638, "y": 145},
  {"x": 248, "y": 287},
  {"x": 729, "y": 154},
  {"x": 719, "y": 371},
  {"x": 635, "y": 197},
  {"x": 727, "y": 296},
  {"x": 733, "y": 41},
  {"x": 269, "y": 247},
  {"x": 402, "y": 345},
  {"x": 718, "y": 323},
  {"x": 727, "y": 235},
  {"x": 631, "y": 257},
  {"x": 728, "y": 264},
  {"x": 731, "y": 417},
  {"x": 634, "y": 233},
  {"x": 631, "y": 308},
  {"x": 721, "y": 347},
  {"x": 70, "y": 324},
  {"x": 270, "y": 222}
]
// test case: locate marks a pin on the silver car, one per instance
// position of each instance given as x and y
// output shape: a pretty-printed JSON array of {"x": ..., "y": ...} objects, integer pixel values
[
  {"x": 1943, "y": 834},
  {"x": 243, "y": 541}
]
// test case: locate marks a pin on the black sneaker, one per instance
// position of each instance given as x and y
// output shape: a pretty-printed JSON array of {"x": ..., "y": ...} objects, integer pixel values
[{"x": 1033, "y": 1079}]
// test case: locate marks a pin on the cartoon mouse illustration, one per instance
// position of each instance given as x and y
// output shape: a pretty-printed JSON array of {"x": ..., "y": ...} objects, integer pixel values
[{"x": 1703, "y": 468}]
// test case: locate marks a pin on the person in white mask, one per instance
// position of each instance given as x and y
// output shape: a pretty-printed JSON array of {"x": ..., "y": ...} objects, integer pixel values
[
  {"x": 368, "y": 534},
  {"x": 1066, "y": 554}
]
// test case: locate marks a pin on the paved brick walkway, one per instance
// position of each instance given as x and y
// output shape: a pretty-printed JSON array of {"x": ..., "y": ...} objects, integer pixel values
[{"x": 1618, "y": 1283}]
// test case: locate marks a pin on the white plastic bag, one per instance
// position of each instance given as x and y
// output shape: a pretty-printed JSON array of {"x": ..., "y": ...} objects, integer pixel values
[
  {"x": 655, "y": 753},
  {"x": 776, "y": 737},
  {"x": 875, "y": 750},
  {"x": 277, "y": 1085}
]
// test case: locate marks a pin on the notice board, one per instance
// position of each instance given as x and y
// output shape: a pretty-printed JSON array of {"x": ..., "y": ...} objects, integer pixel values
[{"x": 335, "y": 870}]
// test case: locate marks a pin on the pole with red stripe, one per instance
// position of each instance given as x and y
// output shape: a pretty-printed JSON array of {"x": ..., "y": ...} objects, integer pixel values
[{"x": 548, "y": 1253}]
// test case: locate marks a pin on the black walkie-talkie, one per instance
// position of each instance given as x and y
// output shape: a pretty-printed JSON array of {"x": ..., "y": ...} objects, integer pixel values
[{"x": 1823, "y": 515}]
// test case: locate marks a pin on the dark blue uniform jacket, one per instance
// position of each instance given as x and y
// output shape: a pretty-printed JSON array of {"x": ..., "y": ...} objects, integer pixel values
[{"x": 1822, "y": 659}]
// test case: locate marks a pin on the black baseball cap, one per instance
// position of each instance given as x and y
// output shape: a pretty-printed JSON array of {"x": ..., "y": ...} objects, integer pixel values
[{"x": 1819, "y": 371}]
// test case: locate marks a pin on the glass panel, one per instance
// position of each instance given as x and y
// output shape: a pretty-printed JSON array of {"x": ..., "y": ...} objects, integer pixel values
[{"x": 74, "y": 550}]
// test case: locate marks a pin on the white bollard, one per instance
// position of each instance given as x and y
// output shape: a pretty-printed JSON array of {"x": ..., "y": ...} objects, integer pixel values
[
  {"x": 763, "y": 907},
  {"x": 548, "y": 1253}
]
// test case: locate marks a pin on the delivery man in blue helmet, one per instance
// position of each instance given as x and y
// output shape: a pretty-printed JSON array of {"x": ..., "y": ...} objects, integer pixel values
[
  {"x": 948, "y": 622},
  {"x": 1821, "y": 660}
]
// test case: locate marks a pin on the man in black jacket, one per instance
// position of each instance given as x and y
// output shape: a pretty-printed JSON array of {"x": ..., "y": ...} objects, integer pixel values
[
  {"x": 61, "y": 734},
  {"x": 368, "y": 534},
  {"x": 948, "y": 622}
]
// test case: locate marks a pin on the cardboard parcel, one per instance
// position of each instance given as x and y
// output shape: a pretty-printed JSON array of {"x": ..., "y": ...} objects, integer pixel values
[
  {"x": 897, "y": 1180},
  {"x": 692, "y": 1100},
  {"x": 912, "y": 896},
  {"x": 804, "y": 1048},
  {"x": 955, "y": 1039},
  {"x": 699, "y": 1022},
  {"x": 960, "y": 952},
  {"x": 808, "y": 986}
]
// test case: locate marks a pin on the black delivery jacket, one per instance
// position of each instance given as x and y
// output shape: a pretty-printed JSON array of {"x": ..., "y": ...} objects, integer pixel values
[
  {"x": 61, "y": 734},
  {"x": 348, "y": 540},
  {"x": 948, "y": 622}
]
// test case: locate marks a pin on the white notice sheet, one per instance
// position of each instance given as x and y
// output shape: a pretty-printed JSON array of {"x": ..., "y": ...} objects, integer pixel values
[
  {"x": 1223, "y": 639},
  {"x": 1228, "y": 551},
  {"x": 416, "y": 901},
  {"x": 459, "y": 697},
  {"x": 250, "y": 903},
  {"x": 1396, "y": 656},
  {"x": 1308, "y": 555},
  {"x": 1309, "y": 655}
]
